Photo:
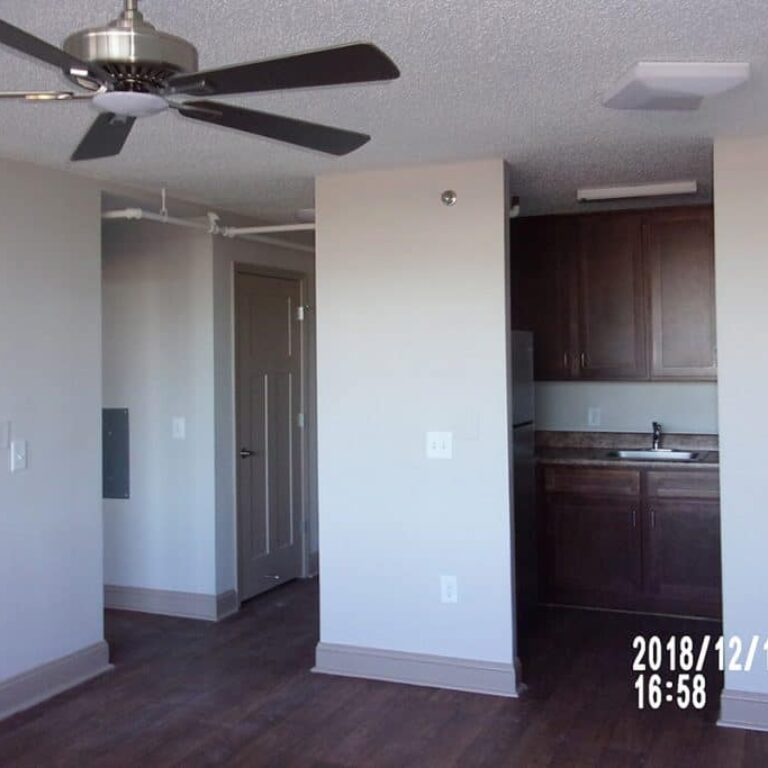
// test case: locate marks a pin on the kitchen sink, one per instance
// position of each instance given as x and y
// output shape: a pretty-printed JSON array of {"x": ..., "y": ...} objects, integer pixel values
[{"x": 657, "y": 454}]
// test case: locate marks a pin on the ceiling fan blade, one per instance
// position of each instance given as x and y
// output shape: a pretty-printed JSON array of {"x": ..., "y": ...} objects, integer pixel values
[
  {"x": 30, "y": 45},
  {"x": 105, "y": 137},
  {"x": 44, "y": 95},
  {"x": 355, "y": 63},
  {"x": 322, "y": 138}
]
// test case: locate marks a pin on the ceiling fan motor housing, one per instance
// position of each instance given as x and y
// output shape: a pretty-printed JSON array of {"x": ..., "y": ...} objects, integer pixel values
[{"x": 139, "y": 57}]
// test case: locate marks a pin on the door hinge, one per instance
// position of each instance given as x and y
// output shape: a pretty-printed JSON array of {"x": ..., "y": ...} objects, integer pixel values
[{"x": 300, "y": 421}]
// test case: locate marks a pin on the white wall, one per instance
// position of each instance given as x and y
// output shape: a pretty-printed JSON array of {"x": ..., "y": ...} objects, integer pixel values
[
  {"x": 158, "y": 363},
  {"x": 227, "y": 253},
  {"x": 627, "y": 406},
  {"x": 412, "y": 337},
  {"x": 741, "y": 248},
  {"x": 50, "y": 388}
]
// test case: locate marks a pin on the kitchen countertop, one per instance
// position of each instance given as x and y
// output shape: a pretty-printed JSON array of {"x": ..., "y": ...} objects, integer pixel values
[
  {"x": 598, "y": 457},
  {"x": 592, "y": 449}
]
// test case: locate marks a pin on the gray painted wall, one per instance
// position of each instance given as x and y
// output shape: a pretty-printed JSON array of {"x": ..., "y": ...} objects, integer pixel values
[
  {"x": 627, "y": 406},
  {"x": 158, "y": 363},
  {"x": 50, "y": 388},
  {"x": 741, "y": 248},
  {"x": 412, "y": 337}
]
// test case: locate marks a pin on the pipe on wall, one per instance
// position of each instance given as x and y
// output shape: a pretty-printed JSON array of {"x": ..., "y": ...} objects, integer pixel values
[{"x": 255, "y": 234}]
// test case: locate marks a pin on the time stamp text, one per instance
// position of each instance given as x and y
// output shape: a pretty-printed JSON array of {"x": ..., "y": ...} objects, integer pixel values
[{"x": 671, "y": 671}]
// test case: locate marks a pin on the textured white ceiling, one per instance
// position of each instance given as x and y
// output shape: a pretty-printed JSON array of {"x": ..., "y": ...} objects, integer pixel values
[{"x": 514, "y": 78}]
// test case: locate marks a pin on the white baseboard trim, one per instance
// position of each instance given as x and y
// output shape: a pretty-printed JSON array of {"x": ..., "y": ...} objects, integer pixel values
[
  {"x": 185, "y": 605},
  {"x": 417, "y": 669},
  {"x": 40, "y": 683},
  {"x": 743, "y": 709},
  {"x": 227, "y": 604}
]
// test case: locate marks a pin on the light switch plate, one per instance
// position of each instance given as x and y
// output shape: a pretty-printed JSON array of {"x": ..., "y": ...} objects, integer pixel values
[
  {"x": 449, "y": 589},
  {"x": 439, "y": 445},
  {"x": 179, "y": 428},
  {"x": 18, "y": 455}
]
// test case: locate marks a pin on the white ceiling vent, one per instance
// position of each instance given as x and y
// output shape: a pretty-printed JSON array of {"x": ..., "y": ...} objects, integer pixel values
[{"x": 674, "y": 85}]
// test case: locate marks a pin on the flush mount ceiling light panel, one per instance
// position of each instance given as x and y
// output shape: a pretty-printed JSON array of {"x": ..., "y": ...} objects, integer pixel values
[
  {"x": 629, "y": 191},
  {"x": 130, "y": 70},
  {"x": 674, "y": 85}
]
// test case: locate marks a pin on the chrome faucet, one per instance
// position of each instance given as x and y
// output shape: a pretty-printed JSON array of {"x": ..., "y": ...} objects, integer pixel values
[{"x": 656, "y": 435}]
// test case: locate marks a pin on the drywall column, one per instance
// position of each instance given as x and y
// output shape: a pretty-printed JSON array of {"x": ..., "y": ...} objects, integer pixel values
[
  {"x": 412, "y": 338},
  {"x": 741, "y": 248},
  {"x": 51, "y": 633},
  {"x": 160, "y": 545}
]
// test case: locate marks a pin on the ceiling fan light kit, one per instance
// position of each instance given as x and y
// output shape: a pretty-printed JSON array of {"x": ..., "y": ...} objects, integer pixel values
[{"x": 130, "y": 70}]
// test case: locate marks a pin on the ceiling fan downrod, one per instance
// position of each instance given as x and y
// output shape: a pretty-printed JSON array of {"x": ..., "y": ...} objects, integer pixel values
[{"x": 131, "y": 16}]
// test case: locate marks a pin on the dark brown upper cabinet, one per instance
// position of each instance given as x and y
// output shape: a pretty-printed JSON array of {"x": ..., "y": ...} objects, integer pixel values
[
  {"x": 612, "y": 299},
  {"x": 546, "y": 248},
  {"x": 681, "y": 263},
  {"x": 617, "y": 296}
]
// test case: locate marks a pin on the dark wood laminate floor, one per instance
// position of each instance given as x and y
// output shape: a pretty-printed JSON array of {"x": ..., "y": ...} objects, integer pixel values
[{"x": 240, "y": 693}]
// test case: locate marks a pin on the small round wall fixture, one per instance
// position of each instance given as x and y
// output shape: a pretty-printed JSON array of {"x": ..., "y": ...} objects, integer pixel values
[{"x": 449, "y": 197}]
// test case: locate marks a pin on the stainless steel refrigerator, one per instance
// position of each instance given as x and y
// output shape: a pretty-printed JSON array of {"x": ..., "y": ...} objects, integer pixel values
[{"x": 523, "y": 474}]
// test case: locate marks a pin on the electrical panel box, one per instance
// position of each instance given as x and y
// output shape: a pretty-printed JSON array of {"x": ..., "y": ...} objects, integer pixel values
[{"x": 116, "y": 450}]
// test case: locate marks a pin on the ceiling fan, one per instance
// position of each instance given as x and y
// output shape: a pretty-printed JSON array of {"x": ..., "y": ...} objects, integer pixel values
[{"x": 131, "y": 70}]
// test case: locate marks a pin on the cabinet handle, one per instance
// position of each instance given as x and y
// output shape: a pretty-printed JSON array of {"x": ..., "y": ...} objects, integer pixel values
[
  {"x": 583, "y": 359},
  {"x": 634, "y": 518},
  {"x": 653, "y": 518},
  {"x": 565, "y": 361}
]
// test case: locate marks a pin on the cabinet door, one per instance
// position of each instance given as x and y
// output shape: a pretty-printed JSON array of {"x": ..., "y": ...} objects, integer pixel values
[
  {"x": 681, "y": 259},
  {"x": 612, "y": 298},
  {"x": 683, "y": 564},
  {"x": 542, "y": 253},
  {"x": 592, "y": 550}
]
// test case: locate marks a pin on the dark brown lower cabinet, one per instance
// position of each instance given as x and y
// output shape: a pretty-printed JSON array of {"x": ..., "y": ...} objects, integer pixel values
[
  {"x": 593, "y": 550},
  {"x": 684, "y": 556},
  {"x": 639, "y": 540}
]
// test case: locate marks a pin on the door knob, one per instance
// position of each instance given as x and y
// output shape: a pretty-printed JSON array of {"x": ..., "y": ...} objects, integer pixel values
[{"x": 245, "y": 453}]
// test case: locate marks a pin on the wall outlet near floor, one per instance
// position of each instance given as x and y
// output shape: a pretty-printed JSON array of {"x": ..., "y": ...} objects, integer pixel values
[
  {"x": 439, "y": 445},
  {"x": 594, "y": 416},
  {"x": 449, "y": 589}
]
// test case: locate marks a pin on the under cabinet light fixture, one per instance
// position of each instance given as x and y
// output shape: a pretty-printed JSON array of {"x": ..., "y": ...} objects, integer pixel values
[{"x": 628, "y": 191}]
